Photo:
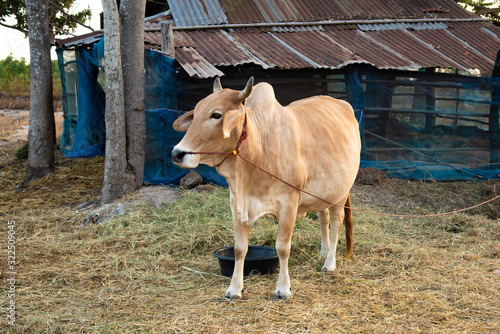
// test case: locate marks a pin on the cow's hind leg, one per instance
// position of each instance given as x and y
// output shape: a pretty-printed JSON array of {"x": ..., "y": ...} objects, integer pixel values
[
  {"x": 337, "y": 213},
  {"x": 324, "y": 220},
  {"x": 240, "y": 251}
]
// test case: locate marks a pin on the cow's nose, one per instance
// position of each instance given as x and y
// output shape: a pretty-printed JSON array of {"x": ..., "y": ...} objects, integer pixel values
[{"x": 178, "y": 155}]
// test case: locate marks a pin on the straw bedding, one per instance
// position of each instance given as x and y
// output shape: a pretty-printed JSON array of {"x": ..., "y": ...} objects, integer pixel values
[{"x": 152, "y": 271}]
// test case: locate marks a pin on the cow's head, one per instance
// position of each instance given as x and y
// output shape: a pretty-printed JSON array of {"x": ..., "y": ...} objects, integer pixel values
[{"x": 214, "y": 125}]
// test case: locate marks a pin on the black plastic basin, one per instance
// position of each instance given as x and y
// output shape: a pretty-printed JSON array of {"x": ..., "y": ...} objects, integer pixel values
[{"x": 259, "y": 259}]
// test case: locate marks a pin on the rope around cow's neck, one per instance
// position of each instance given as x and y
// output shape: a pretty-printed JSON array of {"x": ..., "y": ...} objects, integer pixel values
[{"x": 244, "y": 135}]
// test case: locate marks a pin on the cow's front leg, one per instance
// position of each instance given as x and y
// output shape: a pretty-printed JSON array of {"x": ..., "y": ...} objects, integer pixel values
[
  {"x": 240, "y": 251},
  {"x": 286, "y": 223}
]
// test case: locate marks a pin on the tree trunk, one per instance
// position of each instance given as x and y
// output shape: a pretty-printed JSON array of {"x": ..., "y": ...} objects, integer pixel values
[
  {"x": 118, "y": 176},
  {"x": 41, "y": 136},
  {"x": 132, "y": 46}
]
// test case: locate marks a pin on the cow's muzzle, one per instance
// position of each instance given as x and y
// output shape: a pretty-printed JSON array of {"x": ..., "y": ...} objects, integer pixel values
[
  {"x": 178, "y": 156},
  {"x": 184, "y": 158}
]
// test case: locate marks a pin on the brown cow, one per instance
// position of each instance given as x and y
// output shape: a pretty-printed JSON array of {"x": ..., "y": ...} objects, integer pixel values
[{"x": 313, "y": 144}]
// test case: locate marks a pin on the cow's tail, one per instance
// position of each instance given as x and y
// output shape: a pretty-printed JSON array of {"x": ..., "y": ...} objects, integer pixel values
[{"x": 348, "y": 225}]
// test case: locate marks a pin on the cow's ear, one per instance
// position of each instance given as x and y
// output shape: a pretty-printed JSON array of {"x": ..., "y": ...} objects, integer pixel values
[
  {"x": 183, "y": 123},
  {"x": 231, "y": 120}
]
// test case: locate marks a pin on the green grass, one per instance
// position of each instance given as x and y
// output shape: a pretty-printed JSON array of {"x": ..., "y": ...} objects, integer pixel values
[{"x": 15, "y": 77}]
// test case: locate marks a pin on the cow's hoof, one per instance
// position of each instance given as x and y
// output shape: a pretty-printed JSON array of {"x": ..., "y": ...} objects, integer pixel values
[
  {"x": 328, "y": 269},
  {"x": 281, "y": 297},
  {"x": 230, "y": 298}
]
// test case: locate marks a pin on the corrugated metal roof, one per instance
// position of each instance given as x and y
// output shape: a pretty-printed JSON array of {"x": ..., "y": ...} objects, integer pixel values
[
  {"x": 312, "y": 46},
  {"x": 368, "y": 50},
  {"x": 197, "y": 12},
  {"x": 195, "y": 65},
  {"x": 402, "y": 42},
  {"x": 403, "y": 25},
  {"x": 268, "y": 50},
  {"x": 390, "y": 43},
  {"x": 478, "y": 36},
  {"x": 216, "y": 48},
  {"x": 453, "y": 49},
  {"x": 153, "y": 39},
  {"x": 401, "y": 46},
  {"x": 86, "y": 39},
  {"x": 154, "y": 22},
  {"x": 251, "y": 11}
]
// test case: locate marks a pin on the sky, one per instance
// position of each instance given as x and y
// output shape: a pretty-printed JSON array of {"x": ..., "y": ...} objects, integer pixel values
[{"x": 13, "y": 41}]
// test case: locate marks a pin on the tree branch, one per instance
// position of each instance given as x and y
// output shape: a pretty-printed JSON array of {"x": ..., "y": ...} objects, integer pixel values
[
  {"x": 17, "y": 14},
  {"x": 14, "y": 27},
  {"x": 488, "y": 11},
  {"x": 69, "y": 15}
]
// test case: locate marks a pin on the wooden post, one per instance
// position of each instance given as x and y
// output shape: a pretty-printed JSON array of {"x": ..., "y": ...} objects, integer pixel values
[
  {"x": 430, "y": 102},
  {"x": 167, "y": 39},
  {"x": 494, "y": 124},
  {"x": 386, "y": 103}
]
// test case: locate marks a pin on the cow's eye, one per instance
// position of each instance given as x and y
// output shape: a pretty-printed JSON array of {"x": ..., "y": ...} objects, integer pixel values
[{"x": 216, "y": 115}]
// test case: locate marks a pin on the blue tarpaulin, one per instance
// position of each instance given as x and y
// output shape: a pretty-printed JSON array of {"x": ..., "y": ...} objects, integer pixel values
[
  {"x": 412, "y": 126},
  {"x": 84, "y": 129}
]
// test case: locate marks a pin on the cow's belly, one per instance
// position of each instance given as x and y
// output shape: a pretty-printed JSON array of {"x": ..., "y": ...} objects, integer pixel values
[{"x": 327, "y": 190}]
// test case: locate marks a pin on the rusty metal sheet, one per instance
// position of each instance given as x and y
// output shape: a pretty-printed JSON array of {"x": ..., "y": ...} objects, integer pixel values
[
  {"x": 371, "y": 52},
  {"x": 194, "y": 64},
  {"x": 317, "y": 47},
  {"x": 242, "y": 11},
  {"x": 197, "y": 12},
  {"x": 153, "y": 39},
  {"x": 453, "y": 49},
  {"x": 404, "y": 44},
  {"x": 480, "y": 37},
  {"x": 268, "y": 50},
  {"x": 217, "y": 49},
  {"x": 252, "y": 11},
  {"x": 86, "y": 39}
]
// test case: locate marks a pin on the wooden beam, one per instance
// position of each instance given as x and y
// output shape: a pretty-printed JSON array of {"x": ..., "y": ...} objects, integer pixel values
[{"x": 167, "y": 39}]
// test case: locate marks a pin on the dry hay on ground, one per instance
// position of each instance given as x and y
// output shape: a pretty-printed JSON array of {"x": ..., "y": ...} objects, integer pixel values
[{"x": 153, "y": 271}]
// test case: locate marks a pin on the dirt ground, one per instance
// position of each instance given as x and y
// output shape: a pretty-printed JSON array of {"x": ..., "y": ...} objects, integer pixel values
[{"x": 14, "y": 126}]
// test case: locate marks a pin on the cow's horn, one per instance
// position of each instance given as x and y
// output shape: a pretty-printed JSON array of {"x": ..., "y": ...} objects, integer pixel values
[
  {"x": 248, "y": 89},
  {"x": 217, "y": 85}
]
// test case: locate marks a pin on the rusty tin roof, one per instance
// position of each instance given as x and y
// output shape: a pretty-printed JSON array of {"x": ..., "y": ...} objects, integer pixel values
[{"x": 298, "y": 34}]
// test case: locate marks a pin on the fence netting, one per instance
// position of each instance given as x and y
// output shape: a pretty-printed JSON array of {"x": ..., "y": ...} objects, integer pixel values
[
  {"x": 415, "y": 124},
  {"x": 431, "y": 126}
]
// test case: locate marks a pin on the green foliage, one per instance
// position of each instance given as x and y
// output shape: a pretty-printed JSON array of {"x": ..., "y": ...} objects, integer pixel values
[
  {"x": 56, "y": 80},
  {"x": 22, "y": 153},
  {"x": 61, "y": 23},
  {"x": 15, "y": 77},
  {"x": 485, "y": 8}
]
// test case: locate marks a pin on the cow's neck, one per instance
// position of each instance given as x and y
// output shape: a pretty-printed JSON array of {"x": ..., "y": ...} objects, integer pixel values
[
  {"x": 242, "y": 176},
  {"x": 251, "y": 148}
]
